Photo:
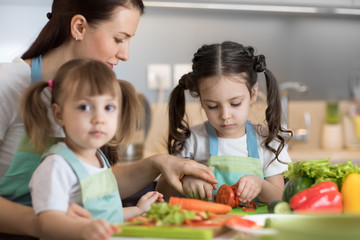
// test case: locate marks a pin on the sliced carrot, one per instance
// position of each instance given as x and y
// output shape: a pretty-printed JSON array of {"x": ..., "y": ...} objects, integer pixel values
[{"x": 195, "y": 204}]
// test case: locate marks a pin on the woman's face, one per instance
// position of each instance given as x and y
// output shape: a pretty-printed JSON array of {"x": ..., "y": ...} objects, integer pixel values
[{"x": 108, "y": 41}]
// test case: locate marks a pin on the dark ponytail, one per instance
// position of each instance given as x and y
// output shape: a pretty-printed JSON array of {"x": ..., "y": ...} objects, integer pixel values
[
  {"x": 273, "y": 115},
  {"x": 179, "y": 129}
]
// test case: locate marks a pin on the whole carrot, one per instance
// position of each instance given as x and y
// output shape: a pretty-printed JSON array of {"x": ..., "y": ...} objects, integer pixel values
[{"x": 200, "y": 205}]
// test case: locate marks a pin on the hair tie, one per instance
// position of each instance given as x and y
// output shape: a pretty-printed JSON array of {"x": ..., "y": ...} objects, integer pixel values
[
  {"x": 50, "y": 83},
  {"x": 259, "y": 63},
  {"x": 49, "y": 15}
]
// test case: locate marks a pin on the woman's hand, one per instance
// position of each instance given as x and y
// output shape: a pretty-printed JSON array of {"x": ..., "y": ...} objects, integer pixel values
[
  {"x": 174, "y": 169},
  {"x": 197, "y": 188}
]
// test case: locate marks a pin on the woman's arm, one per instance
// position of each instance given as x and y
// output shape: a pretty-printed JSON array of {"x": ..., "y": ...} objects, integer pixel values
[
  {"x": 168, "y": 191},
  {"x": 131, "y": 177},
  {"x": 58, "y": 225},
  {"x": 17, "y": 219}
]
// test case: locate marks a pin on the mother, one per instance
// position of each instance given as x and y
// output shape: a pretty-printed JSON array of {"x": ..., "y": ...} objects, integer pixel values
[{"x": 76, "y": 29}]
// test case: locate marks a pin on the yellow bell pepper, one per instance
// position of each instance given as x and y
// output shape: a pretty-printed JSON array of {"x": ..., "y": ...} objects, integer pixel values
[{"x": 350, "y": 191}]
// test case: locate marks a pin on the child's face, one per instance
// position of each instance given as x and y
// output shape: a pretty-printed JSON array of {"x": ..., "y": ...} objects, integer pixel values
[
  {"x": 226, "y": 104},
  {"x": 89, "y": 121}
]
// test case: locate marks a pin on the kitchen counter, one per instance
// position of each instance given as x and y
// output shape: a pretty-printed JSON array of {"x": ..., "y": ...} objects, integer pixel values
[{"x": 336, "y": 156}]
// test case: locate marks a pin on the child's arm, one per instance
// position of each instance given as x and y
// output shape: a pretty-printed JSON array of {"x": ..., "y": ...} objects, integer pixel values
[
  {"x": 143, "y": 205},
  {"x": 197, "y": 188},
  {"x": 193, "y": 188},
  {"x": 266, "y": 190},
  {"x": 58, "y": 225}
]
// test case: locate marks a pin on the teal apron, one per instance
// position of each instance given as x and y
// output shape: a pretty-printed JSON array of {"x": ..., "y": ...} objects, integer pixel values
[
  {"x": 99, "y": 192},
  {"x": 14, "y": 184},
  {"x": 229, "y": 169}
]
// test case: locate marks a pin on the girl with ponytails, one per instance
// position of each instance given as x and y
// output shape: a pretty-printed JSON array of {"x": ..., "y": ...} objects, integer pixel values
[
  {"x": 93, "y": 109},
  {"x": 250, "y": 156}
]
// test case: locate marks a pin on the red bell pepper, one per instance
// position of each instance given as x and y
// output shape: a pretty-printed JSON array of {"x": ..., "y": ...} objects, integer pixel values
[{"x": 322, "y": 197}]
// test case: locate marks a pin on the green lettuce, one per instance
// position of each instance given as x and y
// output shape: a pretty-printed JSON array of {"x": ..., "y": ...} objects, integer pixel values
[
  {"x": 165, "y": 214},
  {"x": 321, "y": 170}
]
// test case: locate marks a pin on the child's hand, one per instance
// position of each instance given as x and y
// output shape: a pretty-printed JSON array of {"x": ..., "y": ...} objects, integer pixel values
[
  {"x": 197, "y": 188},
  {"x": 99, "y": 230},
  {"x": 249, "y": 186},
  {"x": 144, "y": 203}
]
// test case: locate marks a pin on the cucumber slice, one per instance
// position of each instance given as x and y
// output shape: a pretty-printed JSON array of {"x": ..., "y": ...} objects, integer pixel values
[{"x": 279, "y": 207}]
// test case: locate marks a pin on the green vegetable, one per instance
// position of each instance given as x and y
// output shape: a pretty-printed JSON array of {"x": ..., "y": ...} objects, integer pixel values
[
  {"x": 295, "y": 185},
  {"x": 321, "y": 170},
  {"x": 165, "y": 214},
  {"x": 279, "y": 207}
]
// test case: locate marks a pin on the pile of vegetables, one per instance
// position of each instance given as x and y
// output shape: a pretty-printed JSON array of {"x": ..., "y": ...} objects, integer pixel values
[
  {"x": 317, "y": 186},
  {"x": 165, "y": 214},
  {"x": 182, "y": 211}
]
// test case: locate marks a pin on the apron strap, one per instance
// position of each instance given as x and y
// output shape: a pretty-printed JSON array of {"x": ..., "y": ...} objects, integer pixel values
[
  {"x": 71, "y": 158},
  {"x": 213, "y": 140},
  {"x": 251, "y": 141},
  {"x": 36, "y": 69},
  {"x": 104, "y": 157}
]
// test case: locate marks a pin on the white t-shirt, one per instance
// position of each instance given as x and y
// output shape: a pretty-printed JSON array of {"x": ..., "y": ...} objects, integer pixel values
[
  {"x": 14, "y": 78},
  {"x": 54, "y": 184},
  {"x": 197, "y": 148}
]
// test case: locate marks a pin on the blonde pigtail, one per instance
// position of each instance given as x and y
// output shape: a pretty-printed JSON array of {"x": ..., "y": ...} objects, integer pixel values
[{"x": 35, "y": 115}]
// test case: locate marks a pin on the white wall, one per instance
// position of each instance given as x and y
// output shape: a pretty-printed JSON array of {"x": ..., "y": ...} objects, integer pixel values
[{"x": 319, "y": 50}]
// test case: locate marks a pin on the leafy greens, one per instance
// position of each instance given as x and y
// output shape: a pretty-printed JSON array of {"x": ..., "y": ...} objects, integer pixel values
[{"x": 321, "y": 170}]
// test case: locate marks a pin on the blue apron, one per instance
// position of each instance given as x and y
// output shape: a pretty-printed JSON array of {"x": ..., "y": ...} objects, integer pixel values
[
  {"x": 14, "y": 185},
  {"x": 99, "y": 192},
  {"x": 229, "y": 169}
]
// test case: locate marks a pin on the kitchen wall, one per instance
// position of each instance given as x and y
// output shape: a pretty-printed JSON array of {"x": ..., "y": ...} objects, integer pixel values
[{"x": 318, "y": 50}]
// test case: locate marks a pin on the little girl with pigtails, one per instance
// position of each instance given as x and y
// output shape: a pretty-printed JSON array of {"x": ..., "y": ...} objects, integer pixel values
[
  {"x": 93, "y": 108},
  {"x": 249, "y": 156}
]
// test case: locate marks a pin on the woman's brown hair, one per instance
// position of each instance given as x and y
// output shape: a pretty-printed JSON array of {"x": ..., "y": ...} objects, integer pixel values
[{"x": 57, "y": 30}]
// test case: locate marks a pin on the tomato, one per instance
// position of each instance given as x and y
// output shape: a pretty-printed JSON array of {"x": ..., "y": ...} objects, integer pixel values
[
  {"x": 226, "y": 195},
  {"x": 239, "y": 222}
]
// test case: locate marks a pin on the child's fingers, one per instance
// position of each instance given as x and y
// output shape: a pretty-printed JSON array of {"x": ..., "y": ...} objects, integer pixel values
[
  {"x": 209, "y": 191},
  {"x": 154, "y": 196}
]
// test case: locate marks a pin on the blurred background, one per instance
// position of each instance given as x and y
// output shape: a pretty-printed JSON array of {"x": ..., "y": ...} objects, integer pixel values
[
  {"x": 312, "y": 47},
  {"x": 308, "y": 41}
]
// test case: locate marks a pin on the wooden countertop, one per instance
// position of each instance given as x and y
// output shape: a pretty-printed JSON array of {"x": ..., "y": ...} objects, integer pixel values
[{"x": 336, "y": 156}]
